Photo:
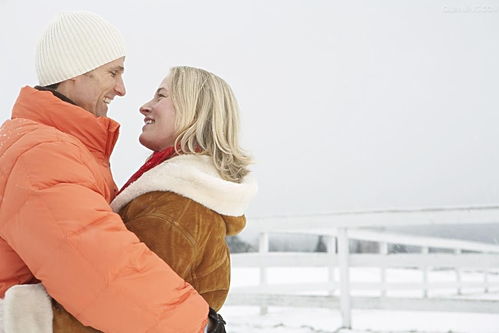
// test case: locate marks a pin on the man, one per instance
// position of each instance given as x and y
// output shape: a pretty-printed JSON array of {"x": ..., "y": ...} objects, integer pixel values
[{"x": 56, "y": 226}]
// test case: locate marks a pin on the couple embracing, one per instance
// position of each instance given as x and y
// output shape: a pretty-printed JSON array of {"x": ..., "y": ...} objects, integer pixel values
[{"x": 76, "y": 254}]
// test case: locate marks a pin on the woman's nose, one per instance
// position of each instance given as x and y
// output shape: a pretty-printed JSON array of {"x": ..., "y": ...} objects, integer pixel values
[{"x": 145, "y": 109}]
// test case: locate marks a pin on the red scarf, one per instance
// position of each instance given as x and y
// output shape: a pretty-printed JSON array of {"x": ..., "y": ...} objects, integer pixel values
[{"x": 156, "y": 158}]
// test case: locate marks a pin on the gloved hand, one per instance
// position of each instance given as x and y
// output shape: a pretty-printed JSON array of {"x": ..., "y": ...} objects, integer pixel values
[{"x": 217, "y": 323}]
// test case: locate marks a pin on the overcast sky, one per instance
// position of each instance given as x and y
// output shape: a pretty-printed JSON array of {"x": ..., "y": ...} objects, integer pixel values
[{"x": 349, "y": 105}]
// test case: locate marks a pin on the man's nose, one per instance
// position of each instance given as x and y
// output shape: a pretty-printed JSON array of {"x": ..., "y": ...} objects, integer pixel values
[{"x": 120, "y": 87}]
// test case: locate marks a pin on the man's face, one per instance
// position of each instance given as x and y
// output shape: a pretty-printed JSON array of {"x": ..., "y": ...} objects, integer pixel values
[{"x": 94, "y": 90}]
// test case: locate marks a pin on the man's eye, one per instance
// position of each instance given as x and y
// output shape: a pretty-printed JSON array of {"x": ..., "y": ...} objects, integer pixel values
[{"x": 114, "y": 73}]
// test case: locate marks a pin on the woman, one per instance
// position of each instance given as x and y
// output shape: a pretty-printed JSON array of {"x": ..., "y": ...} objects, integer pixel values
[{"x": 194, "y": 189}]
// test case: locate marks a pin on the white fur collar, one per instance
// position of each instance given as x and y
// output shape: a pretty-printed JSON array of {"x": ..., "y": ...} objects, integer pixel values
[
  {"x": 27, "y": 308},
  {"x": 194, "y": 177}
]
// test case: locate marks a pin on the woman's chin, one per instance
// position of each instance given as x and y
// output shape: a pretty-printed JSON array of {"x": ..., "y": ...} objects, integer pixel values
[{"x": 143, "y": 141}]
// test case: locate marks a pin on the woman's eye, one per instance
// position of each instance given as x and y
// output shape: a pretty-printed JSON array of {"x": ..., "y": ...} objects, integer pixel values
[
  {"x": 161, "y": 96},
  {"x": 113, "y": 74}
]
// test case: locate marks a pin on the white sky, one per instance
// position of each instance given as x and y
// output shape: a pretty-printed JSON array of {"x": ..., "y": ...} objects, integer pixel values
[{"x": 349, "y": 105}]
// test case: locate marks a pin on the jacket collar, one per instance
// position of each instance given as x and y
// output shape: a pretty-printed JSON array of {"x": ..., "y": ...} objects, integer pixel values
[
  {"x": 55, "y": 93},
  {"x": 98, "y": 134},
  {"x": 194, "y": 177}
]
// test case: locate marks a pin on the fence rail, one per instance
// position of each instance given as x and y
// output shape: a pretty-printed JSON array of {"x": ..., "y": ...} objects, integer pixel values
[
  {"x": 367, "y": 303},
  {"x": 290, "y": 259},
  {"x": 340, "y": 228}
]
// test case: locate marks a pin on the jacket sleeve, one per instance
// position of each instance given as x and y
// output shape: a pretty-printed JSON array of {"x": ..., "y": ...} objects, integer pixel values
[{"x": 66, "y": 233}]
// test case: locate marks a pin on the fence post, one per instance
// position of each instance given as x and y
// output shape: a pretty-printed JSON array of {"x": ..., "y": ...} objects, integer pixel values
[
  {"x": 486, "y": 281},
  {"x": 458, "y": 274},
  {"x": 425, "y": 250},
  {"x": 331, "y": 249},
  {"x": 343, "y": 262},
  {"x": 383, "y": 250},
  {"x": 263, "y": 249}
]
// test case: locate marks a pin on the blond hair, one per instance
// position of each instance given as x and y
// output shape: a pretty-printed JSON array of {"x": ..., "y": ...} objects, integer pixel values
[{"x": 207, "y": 120}]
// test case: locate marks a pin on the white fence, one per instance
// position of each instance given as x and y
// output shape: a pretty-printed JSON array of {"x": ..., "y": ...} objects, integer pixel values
[{"x": 340, "y": 228}]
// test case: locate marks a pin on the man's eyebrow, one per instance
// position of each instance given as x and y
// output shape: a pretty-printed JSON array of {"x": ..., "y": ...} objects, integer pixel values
[{"x": 119, "y": 68}]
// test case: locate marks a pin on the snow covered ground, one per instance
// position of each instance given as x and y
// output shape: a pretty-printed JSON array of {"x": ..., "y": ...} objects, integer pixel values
[{"x": 246, "y": 319}]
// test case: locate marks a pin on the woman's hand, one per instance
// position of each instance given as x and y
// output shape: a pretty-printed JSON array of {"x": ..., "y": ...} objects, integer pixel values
[{"x": 216, "y": 324}]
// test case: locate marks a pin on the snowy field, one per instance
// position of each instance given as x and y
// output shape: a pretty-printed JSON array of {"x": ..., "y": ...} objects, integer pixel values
[
  {"x": 246, "y": 319},
  {"x": 280, "y": 320}
]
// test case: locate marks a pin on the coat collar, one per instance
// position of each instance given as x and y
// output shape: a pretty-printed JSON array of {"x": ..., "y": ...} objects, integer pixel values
[
  {"x": 194, "y": 177},
  {"x": 98, "y": 134}
]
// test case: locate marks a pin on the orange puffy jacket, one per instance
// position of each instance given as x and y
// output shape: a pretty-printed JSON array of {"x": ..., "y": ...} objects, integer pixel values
[{"x": 56, "y": 225}]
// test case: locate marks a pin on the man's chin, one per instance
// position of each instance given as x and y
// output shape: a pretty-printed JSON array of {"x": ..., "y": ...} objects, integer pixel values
[{"x": 102, "y": 113}]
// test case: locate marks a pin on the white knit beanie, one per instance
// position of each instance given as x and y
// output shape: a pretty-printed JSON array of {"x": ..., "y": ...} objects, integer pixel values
[{"x": 74, "y": 44}]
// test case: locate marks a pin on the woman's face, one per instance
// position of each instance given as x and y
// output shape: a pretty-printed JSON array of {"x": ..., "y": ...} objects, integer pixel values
[{"x": 158, "y": 132}]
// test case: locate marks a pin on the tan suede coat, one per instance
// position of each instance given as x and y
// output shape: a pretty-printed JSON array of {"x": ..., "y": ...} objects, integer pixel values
[
  {"x": 182, "y": 210},
  {"x": 189, "y": 237}
]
